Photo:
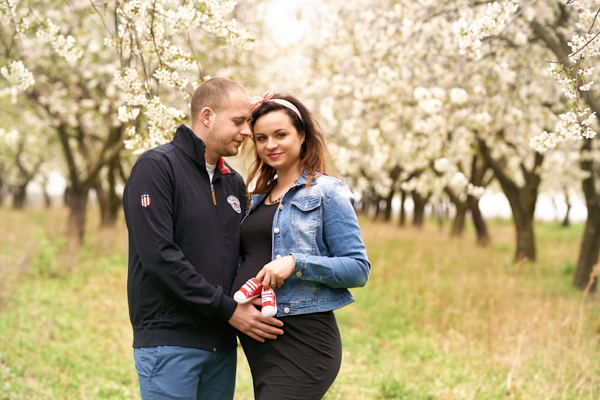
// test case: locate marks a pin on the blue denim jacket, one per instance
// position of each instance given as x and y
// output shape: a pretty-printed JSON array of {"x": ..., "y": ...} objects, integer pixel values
[{"x": 319, "y": 228}]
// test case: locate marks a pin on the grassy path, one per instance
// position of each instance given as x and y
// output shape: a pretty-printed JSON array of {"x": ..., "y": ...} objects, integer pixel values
[{"x": 439, "y": 319}]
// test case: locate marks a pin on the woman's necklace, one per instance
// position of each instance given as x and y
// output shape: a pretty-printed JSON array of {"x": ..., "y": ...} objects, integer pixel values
[{"x": 277, "y": 200}]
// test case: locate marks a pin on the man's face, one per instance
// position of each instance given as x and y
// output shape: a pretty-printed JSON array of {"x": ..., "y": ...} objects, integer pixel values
[{"x": 230, "y": 127}]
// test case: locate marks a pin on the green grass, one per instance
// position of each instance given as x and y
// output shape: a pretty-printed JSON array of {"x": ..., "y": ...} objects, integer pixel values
[{"x": 439, "y": 319}]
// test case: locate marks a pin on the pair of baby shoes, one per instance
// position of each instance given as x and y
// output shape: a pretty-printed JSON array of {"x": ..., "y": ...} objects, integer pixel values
[{"x": 251, "y": 290}]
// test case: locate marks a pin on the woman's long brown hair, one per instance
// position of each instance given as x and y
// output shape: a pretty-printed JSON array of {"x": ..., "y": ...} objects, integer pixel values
[{"x": 315, "y": 158}]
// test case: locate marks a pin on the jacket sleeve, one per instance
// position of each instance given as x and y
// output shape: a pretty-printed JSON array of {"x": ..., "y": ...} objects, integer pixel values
[
  {"x": 161, "y": 258},
  {"x": 348, "y": 265}
]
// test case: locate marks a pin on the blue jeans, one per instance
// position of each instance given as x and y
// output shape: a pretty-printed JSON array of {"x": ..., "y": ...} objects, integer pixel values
[{"x": 180, "y": 373}]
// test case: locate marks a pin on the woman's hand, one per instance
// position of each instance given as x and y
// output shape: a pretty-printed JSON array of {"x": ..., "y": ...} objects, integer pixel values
[{"x": 274, "y": 273}]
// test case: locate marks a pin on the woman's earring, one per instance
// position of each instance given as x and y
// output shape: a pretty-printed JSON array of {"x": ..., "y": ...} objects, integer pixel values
[{"x": 303, "y": 150}]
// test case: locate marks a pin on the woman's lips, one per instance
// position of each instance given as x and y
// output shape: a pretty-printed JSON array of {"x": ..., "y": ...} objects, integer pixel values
[{"x": 274, "y": 156}]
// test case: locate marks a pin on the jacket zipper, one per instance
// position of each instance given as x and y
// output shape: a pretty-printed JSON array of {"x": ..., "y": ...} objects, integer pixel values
[{"x": 212, "y": 191}]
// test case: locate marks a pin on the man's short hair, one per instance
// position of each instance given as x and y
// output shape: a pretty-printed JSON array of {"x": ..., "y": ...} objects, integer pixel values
[{"x": 214, "y": 93}]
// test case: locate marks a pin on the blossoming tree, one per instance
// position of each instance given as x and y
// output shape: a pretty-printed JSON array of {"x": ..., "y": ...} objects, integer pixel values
[
  {"x": 567, "y": 31},
  {"x": 97, "y": 70},
  {"x": 400, "y": 98}
]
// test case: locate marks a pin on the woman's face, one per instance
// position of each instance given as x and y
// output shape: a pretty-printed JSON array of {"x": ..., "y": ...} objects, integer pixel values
[{"x": 278, "y": 143}]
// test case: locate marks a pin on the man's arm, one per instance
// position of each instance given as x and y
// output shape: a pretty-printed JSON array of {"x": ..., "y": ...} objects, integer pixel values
[{"x": 162, "y": 259}]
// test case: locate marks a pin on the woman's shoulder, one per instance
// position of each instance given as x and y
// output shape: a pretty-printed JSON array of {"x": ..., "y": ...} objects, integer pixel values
[
  {"x": 327, "y": 181},
  {"x": 328, "y": 185},
  {"x": 330, "y": 182}
]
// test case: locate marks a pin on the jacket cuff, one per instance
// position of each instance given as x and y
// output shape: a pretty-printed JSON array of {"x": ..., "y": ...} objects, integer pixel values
[
  {"x": 226, "y": 308},
  {"x": 300, "y": 266}
]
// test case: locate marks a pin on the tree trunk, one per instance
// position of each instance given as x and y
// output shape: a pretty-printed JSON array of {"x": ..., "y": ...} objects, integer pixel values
[
  {"x": 108, "y": 200},
  {"x": 66, "y": 196},
  {"x": 114, "y": 200},
  {"x": 590, "y": 249},
  {"x": 522, "y": 201},
  {"x": 458, "y": 224},
  {"x": 441, "y": 212},
  {"x": 77, "y": 202},
  {"x": 479, "y": 169},
  {"x": 566, "y": 221},
  {"x": 523, "y": 221},
  {"x": 47, "y": 199},
  {"x": 388, "y": 205},
  {"x": 20, "y": 197},
  {"x": 1, "y": 187},
  {"x": 101, "y": 196},
  {"x": 378, "y": 208},
  {"x": 419, "y": 208},
  {"x": 590, "y": 244},
  {"x": 81, "y": 178},
  {"x": 525, "y": 238},
  {"x": 366, "y": 202},
  {"x": 24, "y": 177},
  {"x": 483, "y": 237},
  {"x": 402, "y": 221}
]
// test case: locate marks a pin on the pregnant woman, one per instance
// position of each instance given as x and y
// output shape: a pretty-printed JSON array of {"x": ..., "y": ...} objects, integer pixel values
[{"x": 301, "y": 239}]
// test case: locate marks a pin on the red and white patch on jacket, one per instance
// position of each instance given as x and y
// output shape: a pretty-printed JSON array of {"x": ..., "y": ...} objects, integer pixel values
[
  {"x": 145, "y": 200},
  {"x": 235, "y": 204}
]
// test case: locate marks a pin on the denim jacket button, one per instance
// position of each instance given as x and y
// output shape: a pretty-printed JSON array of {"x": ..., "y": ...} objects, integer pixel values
[
  {"x": 286, "y": 310},
  {"x": 281, "y": 206},
  {"x": 276, "y": 230},
  {"x": 278, "y": 256},
  {"x": 298, "y": 274}
]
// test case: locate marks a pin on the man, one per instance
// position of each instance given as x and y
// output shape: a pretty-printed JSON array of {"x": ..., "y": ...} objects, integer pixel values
[{"x": 183, "y": 207}]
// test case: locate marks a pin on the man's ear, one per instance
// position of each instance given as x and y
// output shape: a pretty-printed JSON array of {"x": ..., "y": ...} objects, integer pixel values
[{"x": 206, "y": 117}]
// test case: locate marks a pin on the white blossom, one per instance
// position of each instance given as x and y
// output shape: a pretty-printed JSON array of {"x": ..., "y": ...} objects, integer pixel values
[
  {"x": 491, "y": 23},
  {"x": 154, "y": 33},
  {"x": 442, "y": 165},
  {"x": 63, "y": 45},
  {"x": 126, "y": 114},
  {"x": 19, "y": 78},
  {"x": 134, "y": 9},
  {"x": 586, "y": 87},
  {"x": 458, "y": 96}
]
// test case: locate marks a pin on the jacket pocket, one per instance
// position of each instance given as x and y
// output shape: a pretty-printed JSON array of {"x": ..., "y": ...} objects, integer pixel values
[
  {"x": 150, "y": 300},
  {"x": 309, "y": 291},
  {"x": 306, "y": 218},
  {"x": 306, "y": 213}
]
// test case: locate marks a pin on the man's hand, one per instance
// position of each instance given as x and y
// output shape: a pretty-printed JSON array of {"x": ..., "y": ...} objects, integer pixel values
[{"x": 248, "y": 320}]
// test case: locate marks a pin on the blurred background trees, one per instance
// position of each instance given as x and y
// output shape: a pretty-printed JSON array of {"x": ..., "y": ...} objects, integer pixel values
[{"x": 427, "y": 105}]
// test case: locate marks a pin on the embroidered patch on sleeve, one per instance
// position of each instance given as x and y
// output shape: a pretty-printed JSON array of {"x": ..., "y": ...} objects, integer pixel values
[
  {"x": 235, "y": 204},
  {"x": 145, "y": 200}
]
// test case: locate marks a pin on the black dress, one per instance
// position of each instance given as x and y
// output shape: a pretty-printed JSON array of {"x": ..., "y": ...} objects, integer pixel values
[{"x": 302, "y": 363}]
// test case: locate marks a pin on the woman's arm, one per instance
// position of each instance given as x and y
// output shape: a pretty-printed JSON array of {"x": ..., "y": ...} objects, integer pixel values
[{"x": 347, "y": 266}]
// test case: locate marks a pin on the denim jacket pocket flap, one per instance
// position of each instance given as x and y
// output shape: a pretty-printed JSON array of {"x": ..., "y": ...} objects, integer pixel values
[{"x": 307, "y": 204}]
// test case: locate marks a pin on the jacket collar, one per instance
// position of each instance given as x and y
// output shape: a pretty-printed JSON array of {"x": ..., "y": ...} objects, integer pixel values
[
  {"x": 301, "y": 181},
  {"x": 257, "y": 198},
  {"x": 221, "y": 166},
  {"x": 193, "y": 147}
]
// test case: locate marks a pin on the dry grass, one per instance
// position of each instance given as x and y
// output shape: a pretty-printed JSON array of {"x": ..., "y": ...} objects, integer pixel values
[
  {"x": 453, "y": 321},
  {"x": 439, "y": 319},
  {"x": 17, "y": 230}
]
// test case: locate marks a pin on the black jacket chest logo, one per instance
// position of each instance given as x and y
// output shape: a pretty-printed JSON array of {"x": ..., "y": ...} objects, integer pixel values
[{"x": 235, "y": 204}]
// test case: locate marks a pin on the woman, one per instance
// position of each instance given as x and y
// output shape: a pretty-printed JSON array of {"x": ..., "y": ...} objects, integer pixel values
[{"x": 300, "y": 237}]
